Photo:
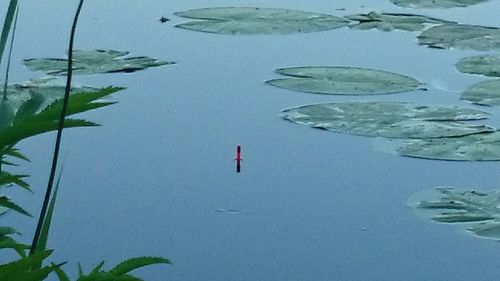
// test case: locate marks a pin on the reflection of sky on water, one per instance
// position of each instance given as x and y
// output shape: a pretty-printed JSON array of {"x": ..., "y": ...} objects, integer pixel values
[{"x": 321, "y": 206}]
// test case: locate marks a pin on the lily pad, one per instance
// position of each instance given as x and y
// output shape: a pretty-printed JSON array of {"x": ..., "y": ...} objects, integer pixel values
[
  {"x": 487, "y": 65},
  {"x": 436, "y": 3},
  {"x": 93, "y": 62},
  {"x": 387, "y": 119},
  {"x": 476, "y": 147},
  {"x": 390, "y": 21},
  {"x": 252, "y": 20},
  {"x": 342, "y": 80},
  {"x": 483, "y": 93},
  {"x": 461, "y": 36},
  {"x": 478, "y": 211}
]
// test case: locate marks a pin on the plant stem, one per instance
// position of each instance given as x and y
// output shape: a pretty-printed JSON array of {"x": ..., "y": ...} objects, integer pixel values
[
  {"x": 53, "y": 169},
  {"x": 6, "y": 81}
]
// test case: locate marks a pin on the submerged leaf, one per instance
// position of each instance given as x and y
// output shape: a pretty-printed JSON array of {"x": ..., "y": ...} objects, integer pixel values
[
  {"x": 387, "y": 119},
  {"x": 94, "y": 61},
  {"x": 436, "y": 3},
  {"x": 342, "y": 80},
  {"x": 483, "y": 93},
  {"x": 461, "y": 36},
  {"x": 487, "y": 65},
  {"x": 477, "y": 147},
  {"x": 392, "y": 21},
  {"x": 478, "y": 211},
  {"x": 252, "y": 20}
]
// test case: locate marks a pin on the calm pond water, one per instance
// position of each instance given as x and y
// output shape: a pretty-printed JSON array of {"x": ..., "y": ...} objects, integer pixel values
[{"x": 314, "y": 205}]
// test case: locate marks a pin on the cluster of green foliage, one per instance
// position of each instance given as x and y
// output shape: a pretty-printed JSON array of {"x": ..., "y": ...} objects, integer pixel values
[{"x": 20, "y": 120}]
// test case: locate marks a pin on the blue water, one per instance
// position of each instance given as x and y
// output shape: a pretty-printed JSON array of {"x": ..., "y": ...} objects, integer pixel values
[{"x": 314, "y": 205}]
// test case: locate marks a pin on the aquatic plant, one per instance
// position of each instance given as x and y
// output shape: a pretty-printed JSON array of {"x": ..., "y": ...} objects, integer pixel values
[
  {"x": 483, "y": 93},
  {"x": 26, "y": 111},
  {"x": 461, "y": 36},
  {"x": 487, "y": 65},
  {"x": 432, "y": 4},
  {"x": 474, "y": 147},
  {"x": 388, "y": 119},
  {"x": 87, "y": 62},
  {"x": 254, "y": 20},
  {"x": 343, "y": 80},
  {"x": 476, "y": 210},
  {"x": 392, "y": 21}
]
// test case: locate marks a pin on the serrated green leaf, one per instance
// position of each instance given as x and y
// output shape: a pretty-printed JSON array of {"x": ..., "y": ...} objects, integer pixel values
[
  {"x": 60, "y": 273},
  {"x": 8, "y": 178},
  {"x": 5, "y": 202},
  {"x": 135, "y": 263},
  {"x": 13, "y": 135},
  {"x": 98, "y": 267}
]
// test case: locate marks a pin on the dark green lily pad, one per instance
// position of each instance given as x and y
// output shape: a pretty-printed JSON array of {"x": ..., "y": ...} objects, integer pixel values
[
  {"x": 478, "y": 211},
  {"x": 342, "y": 80},
  {"x": 476, "y": 147},
  {"x": 487, "y": 65},
  {"x": 430, "y": 4},
  {"x": 93, "y": 62},
  {"x": 390, "y": 21},
  {"x": 252, "y": 20},
  {"x": 483, "y": 93},
  {"x": 387, "y": 119},
  {"x": 461, "y": 36}
]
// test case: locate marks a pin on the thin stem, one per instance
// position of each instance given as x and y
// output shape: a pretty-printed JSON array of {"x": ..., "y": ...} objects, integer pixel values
[
  {"x": 6, "y": 81},
  {"x": 53, "y": 169}
]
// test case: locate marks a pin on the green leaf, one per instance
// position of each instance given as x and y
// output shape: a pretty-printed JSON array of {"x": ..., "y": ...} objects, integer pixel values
[
  {"x": 135, "y": 263},
  {"x": 7, "y": 178},
  {"x": 487, "y": 65},
  {"x": 78, "y": 102},
  {"x": 340, "y": 80},
  {"x": 253, "y": 20},
  {"x": 41, "y": 244},
  {"x": 15, "y": 153},
  {"x": 392, "y": 21},
  {"x": 483, "y": 93},
  {"x": 9, "y": 18},
  {"x": 477, "y": 147},
  {"x": 60, "y": 273},
  {"x": 461, "y": 36},
  {"x": 24, "y": 270},
  {"x": 5, "y": 202},
  {"x": 87, "y": 62},
  {"x": 6, "y": 114},
  {"x": 13, "y": 135},
  {"x": 388, "y": 119},
  {"x": 417, "y": 4},
  {"x": 475, "y": 210},
  {"x": 98, "y": 267}
]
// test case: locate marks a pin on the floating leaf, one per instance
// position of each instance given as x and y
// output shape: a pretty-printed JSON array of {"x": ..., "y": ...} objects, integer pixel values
[
  {"x": 436, "y": 3},
  {"x": 387, "y": 119},
  {"x": 252, "y": 20},
  {"x": 461, "y": 36},
  {"x": 477, "y": 147},
  {"x": 94, "y": 61},
  {"x": 483, "y": 93},
  {"x": 478, "y": 211},
  {"x": 390, "y": 21},
  {"x": 343, "y": 80},
  {"x": 487, "y": 65}
]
